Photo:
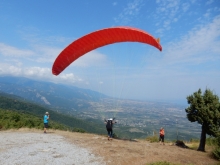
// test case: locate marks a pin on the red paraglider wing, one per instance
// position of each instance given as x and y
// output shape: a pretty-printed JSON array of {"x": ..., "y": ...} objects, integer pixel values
[{"x": 98, "y": 39}]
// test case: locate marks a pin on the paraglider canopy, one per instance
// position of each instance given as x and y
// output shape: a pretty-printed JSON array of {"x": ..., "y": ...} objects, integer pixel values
[{"x": 98, "y": 39}]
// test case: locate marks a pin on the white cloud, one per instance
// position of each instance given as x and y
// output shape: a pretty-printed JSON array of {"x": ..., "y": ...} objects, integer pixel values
[
  {"x": 216, "y": 9},
  {"x": 10, "y": 69},
  {"x": 39, "y": 73},
  {"x": 93, "y": 58},
  {"x": 11, "y": 51},
  {"x": 129, "y": 12},
  {"x": 37, "y": 53},
  {"x": 166, "y": 24},
  {"x": 185, "y": 7},
  {"x": 34, "y": 36},
  {"x": 166, "y": 13},
  {"x": 114, "y": 3},
  {"x": 45, "y": 53},
  {"x": 209, "y": 2},
  {"x": 201, "y": 44},
  {"x": 170, "y": 12},
  {"x": 69, "y": 78},
  {"x": 15, "y": 70},
  {"x": 195, "y": 55}
]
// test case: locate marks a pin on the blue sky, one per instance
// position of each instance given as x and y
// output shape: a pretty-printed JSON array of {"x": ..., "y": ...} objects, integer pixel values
[{"x": 33, "y": 33}]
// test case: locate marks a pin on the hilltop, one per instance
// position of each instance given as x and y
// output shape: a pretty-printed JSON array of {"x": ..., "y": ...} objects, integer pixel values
[
  {"x": 118, "y": 152},
  {"x": 17, "y": 113}
]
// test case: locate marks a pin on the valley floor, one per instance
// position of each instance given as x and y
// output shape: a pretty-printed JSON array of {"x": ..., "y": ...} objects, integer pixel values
[{"x": 28, "y": 146}]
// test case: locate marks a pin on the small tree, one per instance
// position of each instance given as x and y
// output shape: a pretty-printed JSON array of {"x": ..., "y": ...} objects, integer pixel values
[{"x": 205, "y": 109}]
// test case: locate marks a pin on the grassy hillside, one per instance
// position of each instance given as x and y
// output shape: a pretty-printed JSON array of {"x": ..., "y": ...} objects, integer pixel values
[
  {"x": 10, "y": 119},
  {"x": 36, "y": 112},
  {"x": 21, "y": 105}
]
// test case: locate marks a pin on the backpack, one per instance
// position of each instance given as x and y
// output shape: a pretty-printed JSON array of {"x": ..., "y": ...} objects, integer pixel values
[{"x": 109, "y": 124}]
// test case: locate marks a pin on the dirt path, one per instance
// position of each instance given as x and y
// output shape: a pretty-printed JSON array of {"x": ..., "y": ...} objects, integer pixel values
[
  {"x": 37, "y": 148},
  {"x": 120, "y": 152}
]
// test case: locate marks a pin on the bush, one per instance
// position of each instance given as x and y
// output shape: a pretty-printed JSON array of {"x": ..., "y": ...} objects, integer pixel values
[
  {"x": 216, "y": 153},
  {"x": 161, "y": 163},
  {"x": 79, "y": 130},
  {"x": 218, "y": 141},
  {"x": 181, "y": 144},
  {"x": 115, "y": 135},
  {"x": 211, "y": 141},
  {"x": 152, "y": 139},
  {"x": 10, "y": 119},
  {"x": 194, "y": 140}
]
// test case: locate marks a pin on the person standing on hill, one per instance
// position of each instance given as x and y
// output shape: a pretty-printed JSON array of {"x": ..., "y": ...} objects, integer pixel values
[
  {"x": 46, "y": 118},
  {"x": 162, "y": 133},
  {"x": 109, "y": 125}
]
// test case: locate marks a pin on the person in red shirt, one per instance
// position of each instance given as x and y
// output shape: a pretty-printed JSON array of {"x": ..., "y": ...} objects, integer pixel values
[{"x": 162, "y": 133}]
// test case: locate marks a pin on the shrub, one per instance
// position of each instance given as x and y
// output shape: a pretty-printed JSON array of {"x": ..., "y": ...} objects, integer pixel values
[
  {"x": 15, "y": 117},
  {"x": 216, "y": 153},
  {"x": 115, "y": 135},
  {"x": 218, "y": 141},
  {"x": 12, "y": 119},
  {"x": 152, "y": 139},
  {"x": 161, "y": 163},
  {"x": 211, "y": 141},
  {"x": 78, "y": 130},
  {"x": 194, "y": 140},
  {"x": 181, "y": 144}
]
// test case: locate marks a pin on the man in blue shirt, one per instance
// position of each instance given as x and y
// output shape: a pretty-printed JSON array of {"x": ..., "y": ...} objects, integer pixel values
[{"x": 46, "y": 118}]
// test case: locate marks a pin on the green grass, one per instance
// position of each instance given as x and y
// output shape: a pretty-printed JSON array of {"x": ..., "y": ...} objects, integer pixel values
[
  {"x": 24, "y": 107},
  {"x": 11, "y": 119},
  {"x": 162, "y": 163},
  {"x": 153, "y": 139}
]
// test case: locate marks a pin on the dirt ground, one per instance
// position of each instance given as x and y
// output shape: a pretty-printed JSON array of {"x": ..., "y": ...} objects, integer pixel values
[{"x": 138, "y": 152}]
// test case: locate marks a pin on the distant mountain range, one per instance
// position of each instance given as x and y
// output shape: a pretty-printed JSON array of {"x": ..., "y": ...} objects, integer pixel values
[
  {"x": 62, "y": 97},
  {"x": 135, "y": 118}
]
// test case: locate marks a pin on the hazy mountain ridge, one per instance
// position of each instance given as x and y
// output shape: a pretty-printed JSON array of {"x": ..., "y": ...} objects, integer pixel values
[
  {"x": 135, "y": 118},
  {"x": 46, "y": 93}
]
